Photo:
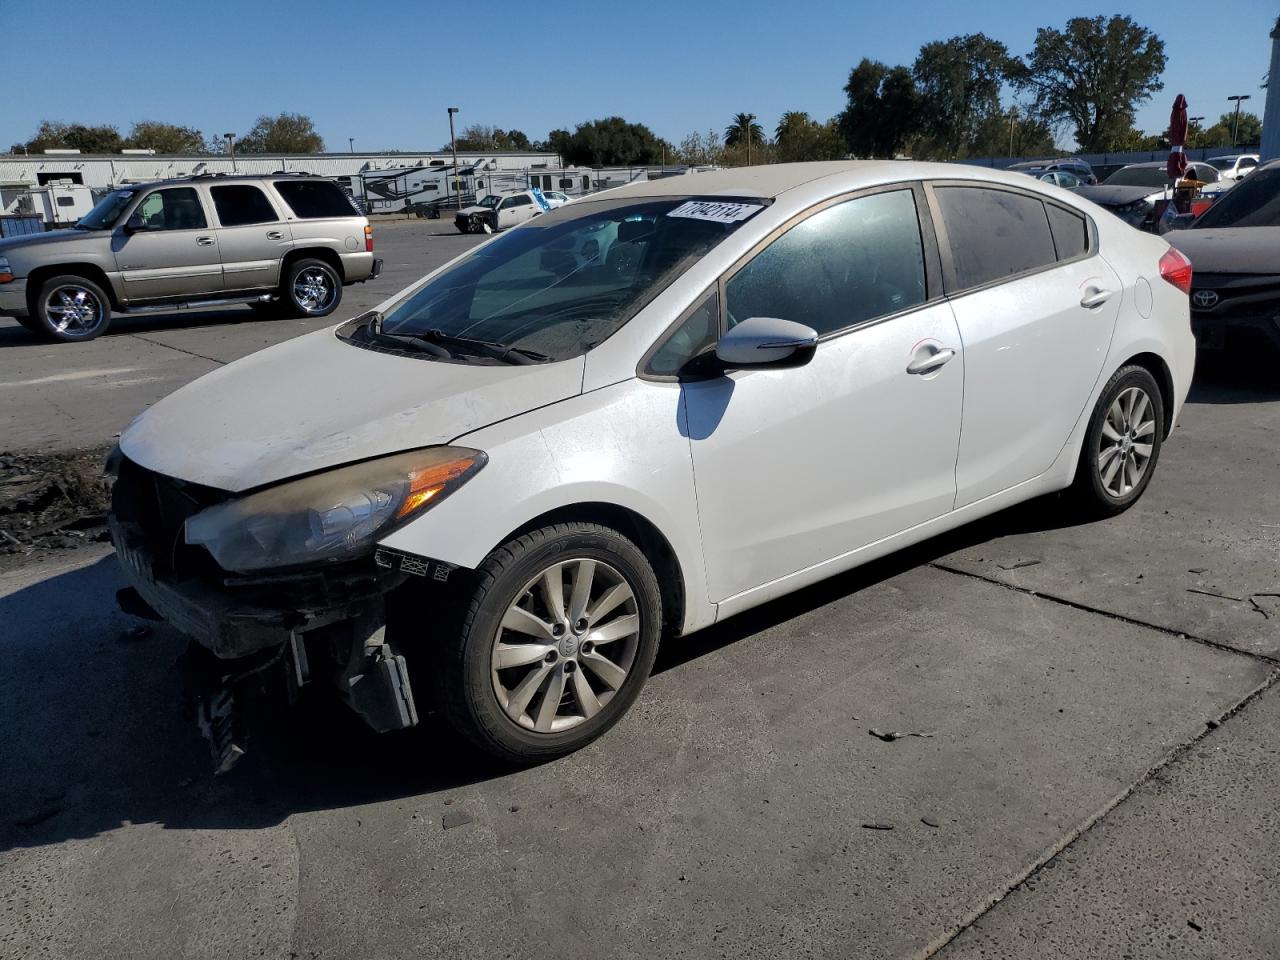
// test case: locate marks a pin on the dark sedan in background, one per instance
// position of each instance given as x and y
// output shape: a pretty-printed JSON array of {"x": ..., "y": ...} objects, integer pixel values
[{"x": 1234, "y": 248}]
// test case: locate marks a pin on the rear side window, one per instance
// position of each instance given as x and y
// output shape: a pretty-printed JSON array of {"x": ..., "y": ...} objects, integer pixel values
[
  {"x": 1070, "y": 232},
  {"x": 994, "y": 234},
  {"x": 847, "y": 264},
  {"x": 313, "y": 199},
  {"x": 239, "y": 204}
]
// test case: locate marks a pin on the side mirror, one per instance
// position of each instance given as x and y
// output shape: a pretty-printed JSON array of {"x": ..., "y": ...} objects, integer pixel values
[
  {"x": 135, "y": 224},
  {"x": 767, "y": 342}
]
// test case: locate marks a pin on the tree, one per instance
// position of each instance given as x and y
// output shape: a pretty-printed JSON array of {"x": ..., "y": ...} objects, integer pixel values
[
  {"x": 481, "y": 138},
  {"x": 798, "y": 138},
  {"x": 55, "y": 135},
  {"x": 883, "y": 109},
  {"x": 742, "y": 130},
  {"x": 284, "y": 133},
  {"x": 701, "y": 149},
  {"x": 610, "y": 141},
  {"x": 165, "y": 137},
  {"x": 959, "y": 84},
  {"x": 1248, "y": 130},
  {"x": 1015, "y": 133},
  {"x": 1093, "y": 75}
]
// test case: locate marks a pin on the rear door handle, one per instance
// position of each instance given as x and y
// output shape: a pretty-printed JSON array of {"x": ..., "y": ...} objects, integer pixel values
[
  {"x": 932, "y": 362},
  {"x": 274, "y": 235},
  {"x": 205, "y": 241},
  {"x": 1096, "y": 298}
]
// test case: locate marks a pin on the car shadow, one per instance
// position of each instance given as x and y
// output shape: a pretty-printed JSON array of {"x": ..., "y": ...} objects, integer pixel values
[
  {"x": 13, "y": 334},
  {"x": 1236, "y": 376},
  {"x": 95, "y": 739}
]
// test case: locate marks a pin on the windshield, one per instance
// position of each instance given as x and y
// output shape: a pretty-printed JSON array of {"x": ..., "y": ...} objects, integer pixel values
[
  {"x": 1138, "y": 177},
  {"x": 490, "y": 201},
  {"x": 105, "y": 214},
  {"x": 566, "y": 281},
  {"x": 1222, "y": 163},
  {"x": 1253, "y": 202}
]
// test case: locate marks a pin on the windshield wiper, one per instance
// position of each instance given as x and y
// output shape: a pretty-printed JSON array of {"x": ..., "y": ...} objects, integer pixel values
[
  {"x": 372, "y": 332},
  {"x": 487, "y": 348}
]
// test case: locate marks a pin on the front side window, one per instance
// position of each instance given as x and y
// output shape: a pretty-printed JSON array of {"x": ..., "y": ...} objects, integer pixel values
[
  {"x": 994, "y": 234},
  {"x": 315, "y": 199},
  {"x": 177, "y": 208},
  {"x": 846, "y": 264},
  {"x": 239, "y": 204},
  {"x": 566, "y": 280}
]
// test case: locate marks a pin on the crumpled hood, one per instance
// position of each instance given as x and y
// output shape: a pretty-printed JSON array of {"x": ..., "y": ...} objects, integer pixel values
[
  {"x": 1116, "y": 196},
  {"x": 474, "y": 208},
  {"x": 318, "y": 402},
  {"x": 1230, "y": 249}
]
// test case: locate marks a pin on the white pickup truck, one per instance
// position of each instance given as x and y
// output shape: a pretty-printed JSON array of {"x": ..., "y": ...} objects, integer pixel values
[{"x": 508, "y": 210}]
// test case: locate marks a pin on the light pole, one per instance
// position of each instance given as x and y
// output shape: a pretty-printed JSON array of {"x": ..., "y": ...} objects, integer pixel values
[
  {"x": 1192, "y": 123},
  {"x": 231, "y": 148},
  {"x": 453, "y": 139},
  {"x": 351, "y": 144},
  {"x": 1013, "y": 118},
  {"x": 1235, "y": 123},
  {"x": 751, "y": 118}
]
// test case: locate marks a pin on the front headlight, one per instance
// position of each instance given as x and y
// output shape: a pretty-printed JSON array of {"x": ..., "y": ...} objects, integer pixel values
[{"x": 331, "y": 516}]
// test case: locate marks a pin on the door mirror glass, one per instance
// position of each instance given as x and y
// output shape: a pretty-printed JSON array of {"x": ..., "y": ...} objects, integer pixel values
[{"x": 767, "y": 342}]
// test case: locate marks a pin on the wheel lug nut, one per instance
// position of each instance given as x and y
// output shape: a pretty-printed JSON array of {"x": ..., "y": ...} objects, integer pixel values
[
  {"x": 581, "y": 624},
  {"x": 550, "y": 657},
  {"x": 588, "y": 646},
  {"x": 569, "y": 666},
  {"x": 558, "y": 629}
]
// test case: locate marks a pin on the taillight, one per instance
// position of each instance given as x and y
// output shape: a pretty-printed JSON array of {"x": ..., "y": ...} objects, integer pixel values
[
  {"x": 368, "y": 239},
  {"x": 1176, "y": 268}
]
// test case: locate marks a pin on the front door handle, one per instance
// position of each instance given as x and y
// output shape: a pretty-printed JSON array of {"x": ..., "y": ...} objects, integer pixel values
[
  {"x": 1096, "y": 298},
  {"x": 205, "y": 241},
  {"x": 274, "y": 235},
  {"x": 932, "y": 362}
]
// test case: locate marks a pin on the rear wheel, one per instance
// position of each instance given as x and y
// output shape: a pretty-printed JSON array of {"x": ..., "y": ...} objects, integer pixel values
[
  {"x": 553, "y": 644},
  {"x": 311, "y": 288},
  {"x": 1122, "y": 444},
  {"x": 71, "y": 308}
]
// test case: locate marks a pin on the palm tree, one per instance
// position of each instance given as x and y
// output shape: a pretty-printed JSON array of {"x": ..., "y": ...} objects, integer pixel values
[
  {"x": 792, "y": 122},
  {"x": 744, "y": 130}
]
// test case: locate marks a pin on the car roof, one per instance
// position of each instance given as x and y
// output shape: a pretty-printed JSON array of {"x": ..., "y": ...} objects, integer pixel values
[
  {"x": 221, "y": 178},
  {"x": 1235, "y": 156},
  {"x": 773, "y": 180}
]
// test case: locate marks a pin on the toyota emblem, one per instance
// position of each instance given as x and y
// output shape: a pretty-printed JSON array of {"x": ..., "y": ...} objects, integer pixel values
[{"x": 1204, "y": 299}]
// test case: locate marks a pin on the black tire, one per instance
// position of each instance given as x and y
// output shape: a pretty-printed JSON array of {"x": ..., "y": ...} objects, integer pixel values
[
  {"x": 465, "y": 673},
  {"x": 1099, "y": 489},
  {"x": 70, "y": 308},
  {"x": 295, "y": 303}
]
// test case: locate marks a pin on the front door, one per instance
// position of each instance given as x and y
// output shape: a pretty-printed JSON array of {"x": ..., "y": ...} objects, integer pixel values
[
  {"x": 252, "y": 237},
  {"x": 799, "y": 466},
  {"x": 171, "y": 251},
  {"x": 1036, "y": 307},
  {"x": 515, "y": 210}
]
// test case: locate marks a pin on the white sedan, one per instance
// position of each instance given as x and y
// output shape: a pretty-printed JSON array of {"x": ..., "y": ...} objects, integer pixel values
[{"x": 640, "y": 414}]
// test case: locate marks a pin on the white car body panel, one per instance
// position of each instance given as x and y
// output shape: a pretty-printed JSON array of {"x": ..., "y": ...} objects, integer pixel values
[{"x": 791, "y": 483}]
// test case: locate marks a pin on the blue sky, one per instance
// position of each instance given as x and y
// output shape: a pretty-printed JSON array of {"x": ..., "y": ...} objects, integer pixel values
[{"x": 384, "y": 71}]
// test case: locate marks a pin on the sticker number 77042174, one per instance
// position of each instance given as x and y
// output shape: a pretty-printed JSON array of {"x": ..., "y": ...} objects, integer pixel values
[{"x": 716, "y": 211}]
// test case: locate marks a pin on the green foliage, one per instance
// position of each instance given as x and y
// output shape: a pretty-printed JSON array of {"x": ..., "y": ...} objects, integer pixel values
[
  {"x": 800, "y": 138},
  {"x": 611, "y": 141},
  {"x": 55, "y": 135},
  {"x": 700, "y": 149},
  {"x": 883, "y": 110},
  {"x": 958, "y": 82},
  {"x": 481, "y": 138},
  {"x": 284, "y": 133},
  {"x": 1092, "y": 76},
  {"x": 1012, "y": 133},
  {"x": 165, "y": 137},
  {"x": 743, "y": 129}
]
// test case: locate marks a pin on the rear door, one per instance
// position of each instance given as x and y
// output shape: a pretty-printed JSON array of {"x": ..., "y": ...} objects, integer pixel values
[
  {"x": 1036, "y": 307},
  {"x": 252, "y": 236},
  {"x": 174, "y": 251}
]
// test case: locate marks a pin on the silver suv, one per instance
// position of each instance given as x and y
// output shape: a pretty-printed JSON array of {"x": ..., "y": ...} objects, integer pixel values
[{"x": 284, "y": 244}]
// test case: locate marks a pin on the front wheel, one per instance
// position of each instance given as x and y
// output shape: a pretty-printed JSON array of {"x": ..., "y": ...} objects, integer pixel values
[
  {"x": 553, "y": 643},
  {"x": 71, "y": 308},
  {"x": 311, "y": 288},
  {"x": 1121, "y": 445}
]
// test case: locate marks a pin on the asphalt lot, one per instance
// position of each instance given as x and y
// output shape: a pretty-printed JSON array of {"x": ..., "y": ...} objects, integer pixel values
[{"x": 1098, "y": 777}]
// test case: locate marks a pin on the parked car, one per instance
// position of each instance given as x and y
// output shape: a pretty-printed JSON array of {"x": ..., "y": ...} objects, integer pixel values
[
  {"x": 1234, "y": 167},
  {"x": 1104, "y": 170},
  {"x": 1131, "y": 192},
  {"x": 1235, "y": 249},
  {"x": 496, "y": 492},
  {"x": 499, "y": 212},
  {"x": 1072, "y": 165},
  {"x": 284, "y": 244},
  {"x": 1059, "y": 178},
  {"x": 556, "y": 198}
]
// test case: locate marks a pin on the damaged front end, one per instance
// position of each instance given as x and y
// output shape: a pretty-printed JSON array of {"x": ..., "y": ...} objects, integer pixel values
[{"x": 271, "y": 632}]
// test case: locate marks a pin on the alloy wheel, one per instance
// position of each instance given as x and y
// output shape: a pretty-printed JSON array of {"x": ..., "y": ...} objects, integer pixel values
[
  {"x": 1126, "y": 442},
  {"x": 73, "y": 310},
  {"x": 314, "y": 289},
  {"x": 565, "y": 646}
]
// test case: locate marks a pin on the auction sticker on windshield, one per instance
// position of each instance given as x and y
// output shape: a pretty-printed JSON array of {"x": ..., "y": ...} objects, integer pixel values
[{"x": 715, "y": 211}]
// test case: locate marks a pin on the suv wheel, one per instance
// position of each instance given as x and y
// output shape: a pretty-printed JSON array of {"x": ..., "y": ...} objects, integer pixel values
[
  {"x": 311, "y": 288},
  {"x": 71, "y": 308},
  {"x": 553, "y": 643}
]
